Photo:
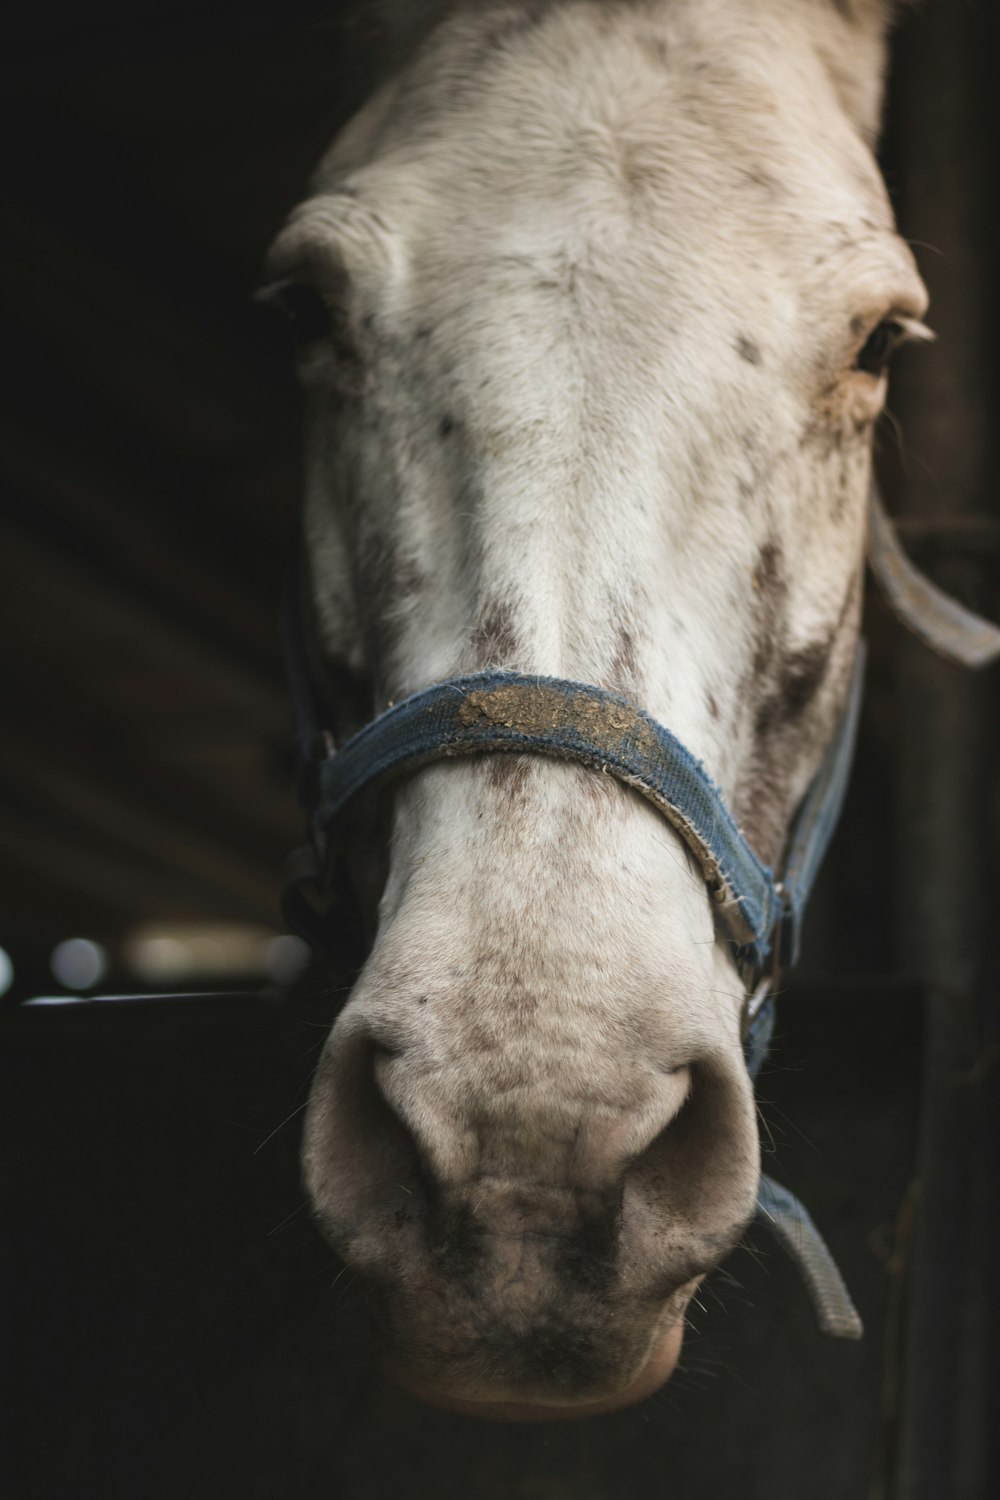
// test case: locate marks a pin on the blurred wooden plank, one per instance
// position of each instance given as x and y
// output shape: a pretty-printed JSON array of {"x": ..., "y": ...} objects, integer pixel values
[
  {"x": 96, "y": 630},
  {"x": 73, "y": 884},
  {"x": 132, "y": 530},
  {"x": 103, "y": 814}
]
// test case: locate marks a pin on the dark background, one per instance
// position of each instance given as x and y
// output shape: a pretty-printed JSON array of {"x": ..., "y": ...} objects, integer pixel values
[{"x": 174, "y": 1325}]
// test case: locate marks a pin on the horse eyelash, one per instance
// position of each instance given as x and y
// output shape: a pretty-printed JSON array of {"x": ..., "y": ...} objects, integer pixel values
[{"x": 913, "y": 330}]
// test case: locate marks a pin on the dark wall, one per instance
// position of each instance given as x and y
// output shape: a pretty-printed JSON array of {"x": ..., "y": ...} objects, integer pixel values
[{"x": 149, "y": 453}]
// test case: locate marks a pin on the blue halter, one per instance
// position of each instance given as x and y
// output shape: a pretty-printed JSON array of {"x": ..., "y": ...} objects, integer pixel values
[
  {"x": 492, "y": 712},
  {"x": 508, "y": 712}
]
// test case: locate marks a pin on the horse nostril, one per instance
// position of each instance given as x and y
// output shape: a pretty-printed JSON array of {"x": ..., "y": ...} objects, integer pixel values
[
  {"x": 361, "y": 1162},
  {"x": 689, "y": 1189},
  {"x": 684, "y": 1148}
]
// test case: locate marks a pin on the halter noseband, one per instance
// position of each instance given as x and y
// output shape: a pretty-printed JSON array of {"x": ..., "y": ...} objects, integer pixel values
[{"x": 491, "y": 712}]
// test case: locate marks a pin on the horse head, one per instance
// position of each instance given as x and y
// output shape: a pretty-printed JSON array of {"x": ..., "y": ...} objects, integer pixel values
[{"x": 595, "y": 303}]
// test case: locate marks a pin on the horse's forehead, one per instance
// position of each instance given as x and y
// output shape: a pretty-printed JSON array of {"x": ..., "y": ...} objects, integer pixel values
[{"x": 648, "y": 103}]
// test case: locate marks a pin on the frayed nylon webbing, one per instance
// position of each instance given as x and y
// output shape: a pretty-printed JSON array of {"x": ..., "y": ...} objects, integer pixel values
[
  {"x": 492, "y": 712},
  {"x": 510, "y": 712}
]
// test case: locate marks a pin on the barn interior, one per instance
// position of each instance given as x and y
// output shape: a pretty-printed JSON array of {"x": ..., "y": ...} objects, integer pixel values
[{"x": 174, "y": 1323}]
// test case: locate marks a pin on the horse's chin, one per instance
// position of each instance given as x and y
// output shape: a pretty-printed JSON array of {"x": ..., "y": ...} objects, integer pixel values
[{"x": 658, "y": 1368}]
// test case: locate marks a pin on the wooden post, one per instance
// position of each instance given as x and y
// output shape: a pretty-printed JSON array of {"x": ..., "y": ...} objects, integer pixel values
[{"x": 941, "y": 170}]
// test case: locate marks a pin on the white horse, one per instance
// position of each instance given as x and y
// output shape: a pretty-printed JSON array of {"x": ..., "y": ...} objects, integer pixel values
[{"x": 596, "y": 299}]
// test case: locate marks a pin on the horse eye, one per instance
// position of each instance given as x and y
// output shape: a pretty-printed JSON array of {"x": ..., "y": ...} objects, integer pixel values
[
  {"x": 879, "y": 348},
  {"x": 299, "y": 312}
]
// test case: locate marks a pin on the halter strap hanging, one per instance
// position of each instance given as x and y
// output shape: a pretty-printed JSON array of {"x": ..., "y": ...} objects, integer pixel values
[{"x": 937, "y": 620}]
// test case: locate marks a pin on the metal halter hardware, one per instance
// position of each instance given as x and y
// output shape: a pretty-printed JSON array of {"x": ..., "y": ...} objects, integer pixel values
[{"x": 513, "y": 713}]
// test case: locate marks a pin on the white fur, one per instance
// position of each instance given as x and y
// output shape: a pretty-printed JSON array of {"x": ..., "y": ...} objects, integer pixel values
[{"x": 561, "y": 243}]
